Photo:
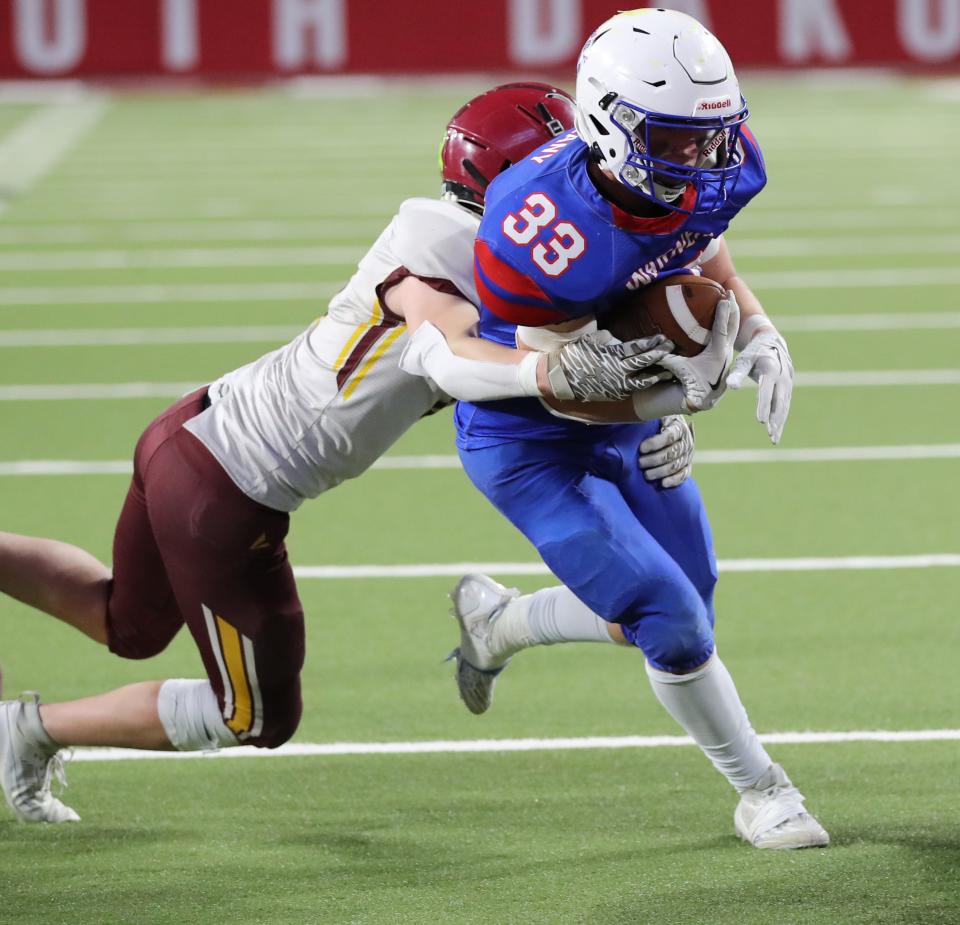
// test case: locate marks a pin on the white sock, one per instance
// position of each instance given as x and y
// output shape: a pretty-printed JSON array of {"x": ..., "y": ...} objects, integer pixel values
[
  {"x": 548, "y": 616},
  {"x": 707, "y": 705},
  {"x": 191, "y": 717}
]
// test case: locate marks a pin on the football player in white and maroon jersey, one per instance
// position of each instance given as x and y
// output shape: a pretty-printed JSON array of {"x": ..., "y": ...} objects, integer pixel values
[{"x": 200, "y": 539}]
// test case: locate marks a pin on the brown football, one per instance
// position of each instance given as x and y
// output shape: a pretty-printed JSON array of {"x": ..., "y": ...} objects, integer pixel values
[{"x": 680, "y": 307}]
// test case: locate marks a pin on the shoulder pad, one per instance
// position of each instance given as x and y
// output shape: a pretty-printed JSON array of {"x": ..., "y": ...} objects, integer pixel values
[{"x": 435, "y": 238}]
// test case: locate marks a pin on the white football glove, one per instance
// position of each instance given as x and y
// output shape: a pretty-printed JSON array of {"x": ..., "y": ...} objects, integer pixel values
[
  {"x": 598, "y": 367},
  {"x": 703, "y": 376},
  {"x": 668, "y": 455},
  {"x": 767, "y": 361}
]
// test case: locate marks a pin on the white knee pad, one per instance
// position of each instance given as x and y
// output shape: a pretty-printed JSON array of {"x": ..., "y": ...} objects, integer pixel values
[{"x": 191, "y": 716}]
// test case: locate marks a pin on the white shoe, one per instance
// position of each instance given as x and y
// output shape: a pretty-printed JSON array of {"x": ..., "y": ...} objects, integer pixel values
[
  {"x": 29, "y": 761},
  {"x": 771, "y": 814},
  {"x": 477, "y": 602}
]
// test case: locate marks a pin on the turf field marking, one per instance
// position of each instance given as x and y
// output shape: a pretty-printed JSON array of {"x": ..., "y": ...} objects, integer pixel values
[
  {"x": 879, "y": 377},
  {"x": 855, "y": 278},
  {"x": 457, "y": 569},
  {"x": 894, "y": 321},
  {"x": 124, "y": 390},
  {"x": 151, "y": 294},
  {"x": 869, "y": 219},
  {"x": 37, "y": 144},
  {"x": 296, "y": 291},
  {"x": 340, "y": 255},
  {"x": 721, "y": 457},
  {"x": 837, "y": 246},
  {"x": 119, "y": 337},
  {"x": 159, "y": 229},
  {"x": 453, "y": 746},
  {"x": 201, "y": 230},
  {"x": 33, "y": 467},
  {"x": 234, "y": 334},
  {"x": 113, "y": 390},
  {"x": 318, "y": 255}
]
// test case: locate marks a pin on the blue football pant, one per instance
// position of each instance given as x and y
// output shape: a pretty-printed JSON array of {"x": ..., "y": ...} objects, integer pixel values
[{"x": 636, "y": 554}]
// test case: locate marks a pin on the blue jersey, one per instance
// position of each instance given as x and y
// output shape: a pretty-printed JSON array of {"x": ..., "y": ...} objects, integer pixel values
[{"x": 550, "y": 249}]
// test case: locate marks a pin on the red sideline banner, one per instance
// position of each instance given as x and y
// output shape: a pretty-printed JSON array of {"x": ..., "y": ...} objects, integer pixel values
[{"x": 233, "y": 38}]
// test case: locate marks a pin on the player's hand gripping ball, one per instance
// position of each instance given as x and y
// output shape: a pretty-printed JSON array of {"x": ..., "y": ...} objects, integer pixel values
[{"x": 681, "y": 307}]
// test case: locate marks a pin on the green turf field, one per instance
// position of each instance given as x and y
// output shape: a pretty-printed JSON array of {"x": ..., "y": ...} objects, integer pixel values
[{"x": 182, "y": 235}]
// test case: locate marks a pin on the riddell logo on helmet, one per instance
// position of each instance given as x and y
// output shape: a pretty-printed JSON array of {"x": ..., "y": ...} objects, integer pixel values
[{"x": 708, "y": 105}]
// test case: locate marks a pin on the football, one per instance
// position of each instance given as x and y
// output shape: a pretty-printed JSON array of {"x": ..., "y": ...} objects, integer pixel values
[{"x": 682, "y": 307}]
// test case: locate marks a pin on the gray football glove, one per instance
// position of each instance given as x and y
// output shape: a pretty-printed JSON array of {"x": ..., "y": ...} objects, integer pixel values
[
  {"x": 668, "y": 455},
  {"x": 598, "y": 367}
]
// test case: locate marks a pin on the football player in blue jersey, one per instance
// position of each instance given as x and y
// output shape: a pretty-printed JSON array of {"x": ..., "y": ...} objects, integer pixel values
[{"x": 660, "y": 163}]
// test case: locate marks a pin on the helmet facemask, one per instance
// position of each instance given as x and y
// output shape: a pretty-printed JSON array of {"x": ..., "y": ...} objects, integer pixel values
[{"x": 684, "y": 165}]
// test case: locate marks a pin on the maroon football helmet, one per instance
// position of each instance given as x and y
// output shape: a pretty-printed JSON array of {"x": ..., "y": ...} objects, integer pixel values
[{"x": 496, "y": 129}]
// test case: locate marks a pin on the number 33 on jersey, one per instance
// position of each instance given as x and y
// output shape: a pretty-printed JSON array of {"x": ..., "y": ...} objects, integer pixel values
[{"x": 554, "y": 255}]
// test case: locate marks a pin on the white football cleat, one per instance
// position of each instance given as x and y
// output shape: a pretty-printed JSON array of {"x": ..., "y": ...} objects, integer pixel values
[
  {"x": 29, "y": 761},
  {"x": 771, "y": 814},
  {"x": 477, "y": 602}
]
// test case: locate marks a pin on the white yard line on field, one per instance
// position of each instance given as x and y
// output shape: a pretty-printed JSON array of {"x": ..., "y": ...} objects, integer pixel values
[
  {"x": 38, "y": 467},
  {"x": 894, "y": 321},
  {"x": 856, "y": 278},
  {"x": 280, "y": 292},
  {"x": 801, "y": 564},
  {"x": 36, "y": 145},
  {"x": 206, "y": 230},
  {"x": 844, "y": 247},
  {"x": 234, "y": 334},
  {"x": 820, "y": 219},
  {"x": 305, "y": 228},
  {"x": 75, "y": 259},
  {"x": 441, "y": 746},
  {"x": 727, "y": 457},
  {"x": 198, "y": 257},
  {"x": 122, "y": 337},
  {"x": 124, "y": 390},
  {"x": 879, "y": 377},
  {"x": 152, "y": 293},
  {"x": 88, "y": 391}
]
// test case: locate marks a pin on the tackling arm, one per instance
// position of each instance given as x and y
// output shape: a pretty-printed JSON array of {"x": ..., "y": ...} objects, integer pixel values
[{"x": 445, "y": 347}]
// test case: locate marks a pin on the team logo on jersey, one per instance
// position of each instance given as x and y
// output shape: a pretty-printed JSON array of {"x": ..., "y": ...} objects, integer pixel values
[
  {"x": 646, "y": 274},
  {"x": 554, "y": 147}
]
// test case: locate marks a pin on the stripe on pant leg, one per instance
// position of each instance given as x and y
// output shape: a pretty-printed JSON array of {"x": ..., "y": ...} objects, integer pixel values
[
  {"x": 238, "y": 655},
  {"x": 216, "y": 646},
  {"x": 257, "y": 726}
]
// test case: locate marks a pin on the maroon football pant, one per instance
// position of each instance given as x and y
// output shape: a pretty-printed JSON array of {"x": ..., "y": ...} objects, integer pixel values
[{"x": 190, "y": 547}]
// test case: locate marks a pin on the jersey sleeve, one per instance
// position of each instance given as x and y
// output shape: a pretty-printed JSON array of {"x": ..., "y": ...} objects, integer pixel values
[
  {"x": 433, "y": 240},
  {"x": 509, "y": 294}
]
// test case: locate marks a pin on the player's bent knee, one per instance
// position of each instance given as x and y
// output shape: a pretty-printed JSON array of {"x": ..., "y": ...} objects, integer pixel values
[
  {"x": 136, "y": 646},
  {"x": 192, "y": 716},
  {"x": 281, "y": 721},
  {"x": 674, "y": 640},
  {"x": 141, "y": 635}
]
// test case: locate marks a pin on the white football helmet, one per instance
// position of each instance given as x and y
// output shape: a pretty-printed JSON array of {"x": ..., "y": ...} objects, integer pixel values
[{"x": 660, "y": 107}]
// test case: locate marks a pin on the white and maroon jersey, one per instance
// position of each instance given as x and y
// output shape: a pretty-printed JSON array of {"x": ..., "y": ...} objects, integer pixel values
[{"x": 323, "y": 408}]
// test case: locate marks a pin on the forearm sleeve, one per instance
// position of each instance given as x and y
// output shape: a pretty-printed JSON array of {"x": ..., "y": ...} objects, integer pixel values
[
  {"x": 748, "y": 327},
  {"x": 429, "y": 355}
]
